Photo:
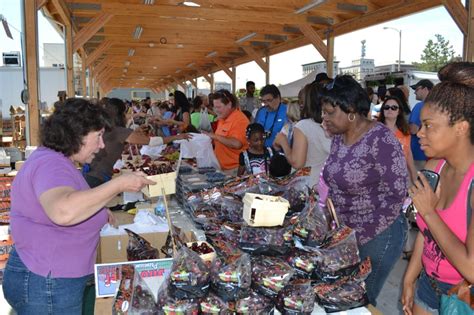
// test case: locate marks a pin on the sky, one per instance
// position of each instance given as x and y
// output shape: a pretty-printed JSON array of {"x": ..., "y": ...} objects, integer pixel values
[{"x": 381, "y": 45}]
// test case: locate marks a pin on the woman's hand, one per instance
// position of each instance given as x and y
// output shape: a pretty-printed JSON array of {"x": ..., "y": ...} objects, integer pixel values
[
  {"x": 423, "y": 196},
  {"x": 184, "y": 136},
  {"x": 134, "y": 182},
  {"x": 209, "y": 134},
  {"x": 408, "y": 293}
]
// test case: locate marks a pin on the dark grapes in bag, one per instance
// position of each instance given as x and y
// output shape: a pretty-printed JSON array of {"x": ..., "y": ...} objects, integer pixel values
[
  {"x": 254, "y": 304},
  {"x": 340, "y": 255},
  {"x": 214, "y": 305},
  {"x": 342, "y": 295},
  {"x": 302, "y": 262},
  {"x": 168, "y": 305},
  {"x": 270, "y": 275},
  {"x": 231, "y": 209},
  {"x": 296, "y": 298},
  {"x": 312, "y": 227},
  {"x": 143, "y": 300},
  {"x": 297, "y": 193},
  {"x": 139, "y": 248},
  {"x": 263, "y": 241},
  {"x": 231, "y": 278},
  {"x": 204, "y": 213},
  {"x": 189, "y": 277}
]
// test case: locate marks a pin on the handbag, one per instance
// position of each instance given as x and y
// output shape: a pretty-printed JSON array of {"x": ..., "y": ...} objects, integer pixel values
[{"x": 459, "y": 300}]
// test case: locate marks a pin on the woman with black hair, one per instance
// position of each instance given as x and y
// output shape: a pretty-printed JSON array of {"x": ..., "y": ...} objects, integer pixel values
[
  {"x": 366, "y": 174},
  {"x": 100, "y": 169},
  {"x": 182, "y": 119},
  {"x": 55, "y": 217}
]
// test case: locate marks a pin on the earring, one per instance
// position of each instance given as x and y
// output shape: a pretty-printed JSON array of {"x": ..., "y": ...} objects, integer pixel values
[{"x": 349, "y": 117}]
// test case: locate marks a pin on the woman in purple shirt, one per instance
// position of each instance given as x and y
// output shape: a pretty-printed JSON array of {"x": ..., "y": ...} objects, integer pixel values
[
  {"x": 56, "y": 217},
  {"x": 366, "y": 174}
]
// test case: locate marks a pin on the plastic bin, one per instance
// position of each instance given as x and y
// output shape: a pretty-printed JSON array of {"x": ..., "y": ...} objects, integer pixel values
[{"x": 263, "y": 210}]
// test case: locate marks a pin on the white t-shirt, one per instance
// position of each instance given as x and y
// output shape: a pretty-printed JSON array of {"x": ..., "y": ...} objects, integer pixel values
[{"x": 319, "y": 145}]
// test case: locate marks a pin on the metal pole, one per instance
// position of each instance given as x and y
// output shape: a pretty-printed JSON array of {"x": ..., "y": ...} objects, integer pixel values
[{"x": 399, "y": 50}]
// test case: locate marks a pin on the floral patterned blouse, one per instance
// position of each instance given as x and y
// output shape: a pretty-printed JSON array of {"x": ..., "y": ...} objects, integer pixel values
[{"x": 367, "y": 181}]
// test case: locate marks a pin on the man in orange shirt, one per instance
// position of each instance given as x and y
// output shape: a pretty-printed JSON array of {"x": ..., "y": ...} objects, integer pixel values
[{"x": 229, "y": 138}]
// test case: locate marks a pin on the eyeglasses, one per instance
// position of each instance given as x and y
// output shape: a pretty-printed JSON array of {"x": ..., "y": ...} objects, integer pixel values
[
  {"x": 392, "y": 107},
  {"x": 267, "y": 100}
]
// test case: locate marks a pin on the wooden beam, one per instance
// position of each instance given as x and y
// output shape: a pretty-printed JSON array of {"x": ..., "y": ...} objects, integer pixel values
[
  {"x": 193, "y": 83},
  {"x": 267, "y": 74},
  {"x": 234, "y": 80},
  {"x": 180, "y": 84},
  {"x": 91, "y": 29},
  {"x": 69, "y": 63},
  {"x": 256, "y": 57},
  {"x": 100, "y": 67},
  {"x": 99, "y": 51},
  {"x": 63, "y": 11},
  {"x": 330, "y": 58},
  {"x": 30, "y": 18},
  {"x": 314, "y": 38},
  {"x": 83, "y": 78},
  {"x": 223, "y": 67},
  {"x": 202, "y": 73},
  {"x": 40, "y": 4},
  {"x": 469, "y": 40},
  {"x": 458, "y": 12}
]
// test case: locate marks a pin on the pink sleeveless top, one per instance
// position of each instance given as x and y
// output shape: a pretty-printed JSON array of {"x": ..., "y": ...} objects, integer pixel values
[{"x": 434, "y": 261}]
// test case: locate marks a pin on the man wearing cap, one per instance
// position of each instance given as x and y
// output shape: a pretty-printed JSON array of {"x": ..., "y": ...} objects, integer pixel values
[{"x": 422, "y": 89}]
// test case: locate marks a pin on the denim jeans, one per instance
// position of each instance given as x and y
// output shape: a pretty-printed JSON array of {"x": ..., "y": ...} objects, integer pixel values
[
  {"x": 384, "y": 251},
  {"x": 29, "y": 293}
]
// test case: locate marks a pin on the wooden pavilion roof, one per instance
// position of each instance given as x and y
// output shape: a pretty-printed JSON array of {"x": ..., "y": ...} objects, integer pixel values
[{"x": 179, "y": 42}]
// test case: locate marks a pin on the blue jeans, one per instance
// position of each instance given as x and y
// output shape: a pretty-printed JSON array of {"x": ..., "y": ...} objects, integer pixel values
[
  {"x": 384, "y": 251},
  {"x": 29, "y": 293}
]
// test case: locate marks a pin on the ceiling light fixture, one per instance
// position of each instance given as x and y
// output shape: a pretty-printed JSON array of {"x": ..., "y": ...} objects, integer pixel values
[
  {"x": 179, "y": 46},
  {"x": 192, "y": 64},
  {"x": 138, "y": 32},
  {"x": 131, "y": 52},
  {"x": 149, "y": 2},
  {"x": 151, "y": 44},
  {"x": 211, "y": 54},
  {"x": 125, "y": 70},
  {"x": 246, "y": 37},
  {"x": 127, "y": 63},
  {"x": 309, "y": 6},
  {"x": 155, "y": 67},
  {"x": 190, "y": 4},
  {"x": 178, "y": 70}
]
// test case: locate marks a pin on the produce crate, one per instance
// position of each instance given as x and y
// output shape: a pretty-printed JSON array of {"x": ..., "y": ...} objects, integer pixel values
[{"x": 263, "y": 210}]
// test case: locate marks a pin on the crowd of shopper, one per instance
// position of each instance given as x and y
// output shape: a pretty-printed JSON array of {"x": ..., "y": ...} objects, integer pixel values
[{"x": 368, "y": 167}]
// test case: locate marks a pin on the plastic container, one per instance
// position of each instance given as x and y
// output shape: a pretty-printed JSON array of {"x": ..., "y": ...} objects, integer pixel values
[
  {"x": 263, "y": 210},
  {"x": 206, "y": 258},
  {"x": 160, "y": 210}
]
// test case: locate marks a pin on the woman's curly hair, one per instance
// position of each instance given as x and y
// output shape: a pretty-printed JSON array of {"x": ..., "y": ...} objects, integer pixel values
[
  {"x": 455, "y": 93},
  {"x": 65, "y": 129}
]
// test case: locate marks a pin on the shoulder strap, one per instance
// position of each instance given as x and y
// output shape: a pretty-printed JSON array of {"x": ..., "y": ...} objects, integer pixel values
[
  {"x": 469, "y": 207},
  {"x": 247, "y": 162}
]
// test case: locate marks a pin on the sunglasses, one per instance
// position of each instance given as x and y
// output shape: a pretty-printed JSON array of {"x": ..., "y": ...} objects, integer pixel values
[{"x": 392, "y": 107}]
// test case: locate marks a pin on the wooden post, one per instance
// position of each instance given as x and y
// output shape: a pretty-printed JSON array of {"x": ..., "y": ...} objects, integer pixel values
[
  {"x": 469, "y": 41},
  {"x": 212, "y": 82},
  {"x": 30, "y": 33},
  {"x": 234, "y": 81},
  {"x": 267, "y": 73},
  {"x": 83, "y": 77},
  {"x": 69, "y": 62},
  {"x": 330, "y": 56}
]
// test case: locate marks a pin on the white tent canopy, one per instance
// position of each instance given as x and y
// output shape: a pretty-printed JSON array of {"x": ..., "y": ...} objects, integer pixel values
[{"x": 291, "y": 89}]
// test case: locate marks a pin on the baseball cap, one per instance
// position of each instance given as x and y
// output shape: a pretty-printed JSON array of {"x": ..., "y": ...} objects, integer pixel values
[
  {"x": 321, "y": 77},
  {"x": 423, "y": 83}
]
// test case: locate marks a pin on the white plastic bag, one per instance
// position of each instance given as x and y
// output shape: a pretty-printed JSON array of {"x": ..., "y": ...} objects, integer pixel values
[
  {"x": 204, "y": 123},
  {"x": 199, "y": 147}
]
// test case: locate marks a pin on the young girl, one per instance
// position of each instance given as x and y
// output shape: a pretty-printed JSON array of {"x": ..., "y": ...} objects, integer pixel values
[{"x": 256, "y": 159}]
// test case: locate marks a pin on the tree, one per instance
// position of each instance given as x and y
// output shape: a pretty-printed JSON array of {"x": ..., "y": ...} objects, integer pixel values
[{"x": 436, "y": 54}]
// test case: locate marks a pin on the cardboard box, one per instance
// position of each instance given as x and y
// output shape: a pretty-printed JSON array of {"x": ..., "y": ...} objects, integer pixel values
[
  {"x": 164, "y": 182},
  {"x": 103, "y": 306},
  {"x": 263, "y": 210}
]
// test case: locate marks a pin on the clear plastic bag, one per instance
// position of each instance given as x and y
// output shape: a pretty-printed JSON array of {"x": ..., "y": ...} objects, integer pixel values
[
  {"x": 143, "y": 300},
  {"x": 167, "y": 304},
  {"x": 189, "y": 277},
  {"x": 263, "y": 241},
  {"x": 123, "y": 297},
  {"x": 342, "y": 295},
  {"x": 212, "y": 304},
  {"x": 270, "y": 275},
  {"x": 304, "y": 263},
  {"x": 254, "y": 304},
  {"x": 296, "y": 298},
  {"x": 312, "y": 227},
  {"x": 139, "y": 248},
  {"x": 231, "y": 278},
  {"x": 339, "y": 256}
]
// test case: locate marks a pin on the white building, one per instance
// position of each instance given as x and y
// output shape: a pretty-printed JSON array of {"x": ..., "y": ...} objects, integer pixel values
[
  {"x": 54, "y": 55},
  {"x": 51, "y": 80},
  {"x": 359, "y": 68},
  {"x": 318, "y": 67}
]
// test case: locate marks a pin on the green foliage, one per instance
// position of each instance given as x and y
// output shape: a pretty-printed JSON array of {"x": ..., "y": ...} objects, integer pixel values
[{"x": 436, "y": 54}]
